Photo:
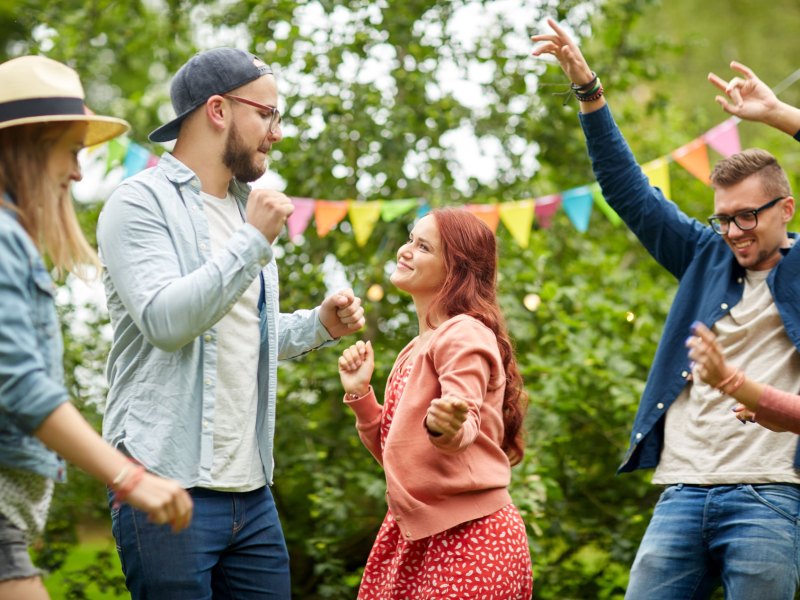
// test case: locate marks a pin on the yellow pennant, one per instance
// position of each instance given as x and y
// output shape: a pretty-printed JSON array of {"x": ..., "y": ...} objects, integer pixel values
[{"x": 363, "y": 217}]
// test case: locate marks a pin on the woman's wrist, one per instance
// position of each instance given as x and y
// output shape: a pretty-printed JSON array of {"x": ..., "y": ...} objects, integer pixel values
[{"x": 356, "y": 394}]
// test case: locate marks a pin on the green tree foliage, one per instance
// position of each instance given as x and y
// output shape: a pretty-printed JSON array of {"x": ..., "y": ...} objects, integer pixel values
[{"x": 368, "y": 116}]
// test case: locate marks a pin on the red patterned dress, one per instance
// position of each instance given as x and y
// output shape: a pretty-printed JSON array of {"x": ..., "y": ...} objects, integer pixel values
[{"x": 483, "y": 559}]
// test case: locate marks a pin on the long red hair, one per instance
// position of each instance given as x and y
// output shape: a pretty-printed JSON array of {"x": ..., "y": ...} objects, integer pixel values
[{"x": 469, "y": 249}]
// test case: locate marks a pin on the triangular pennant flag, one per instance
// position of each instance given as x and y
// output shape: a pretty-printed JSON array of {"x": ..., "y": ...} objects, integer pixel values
[
  {"x": 363, "y": 216},
  {"x": 487, "y": 213},
  {"x": 603, "y": 205},
  {"x": 299, "y": 219},
  {"x": 694, "y": 158},
  {"x": 657, "y": 171},
  {"x": 391, "y": 209},
  {"x": 136, "y": 159},
  {"x": 724, "y": 138},
  {"x": 517, "y": 217},
  {"x": 545, "y": 208},
  {"x": 152, "y": 161},
  {"x": 577, "y": 204},
  {"x": 116, "y": 152},
  {"x": 328, "y": 214}
]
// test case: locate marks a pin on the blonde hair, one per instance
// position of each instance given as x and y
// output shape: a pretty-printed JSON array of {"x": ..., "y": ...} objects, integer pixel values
[{"x": 44, "y": 210}]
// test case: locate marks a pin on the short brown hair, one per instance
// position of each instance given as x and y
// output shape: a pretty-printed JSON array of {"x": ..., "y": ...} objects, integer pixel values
[{"x": 753, "y": 161}]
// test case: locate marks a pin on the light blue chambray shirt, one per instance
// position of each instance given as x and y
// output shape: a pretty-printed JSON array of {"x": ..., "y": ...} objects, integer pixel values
[{"x": 166, "y": 292}]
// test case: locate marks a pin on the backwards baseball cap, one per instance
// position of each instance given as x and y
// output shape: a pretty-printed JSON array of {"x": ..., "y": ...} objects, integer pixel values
[
  {"x": 37, "y": 89},
  {"x": 207, "y": 73}
]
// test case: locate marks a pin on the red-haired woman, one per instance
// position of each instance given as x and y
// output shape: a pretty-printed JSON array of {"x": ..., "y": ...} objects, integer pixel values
[{"x": 449, "y": 429}]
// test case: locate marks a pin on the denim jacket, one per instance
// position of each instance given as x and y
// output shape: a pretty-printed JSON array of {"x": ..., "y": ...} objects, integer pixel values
[
  {"x": 31, "y": 351},
  {"x": 711, "y": 281},
  {"x": 166, "y": 292}
]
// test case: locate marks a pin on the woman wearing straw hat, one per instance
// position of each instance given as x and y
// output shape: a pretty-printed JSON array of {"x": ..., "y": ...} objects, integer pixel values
[{"x": 43, "y": 125}]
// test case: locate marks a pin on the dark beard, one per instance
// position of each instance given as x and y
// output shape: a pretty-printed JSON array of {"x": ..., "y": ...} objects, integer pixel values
[{"x": 239, "y": 160}]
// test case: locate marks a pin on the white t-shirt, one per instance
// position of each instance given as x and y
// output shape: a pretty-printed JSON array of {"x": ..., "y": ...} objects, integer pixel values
[
  {"x": 237, "y": 464},
  {"x": 703, "y": 442}
]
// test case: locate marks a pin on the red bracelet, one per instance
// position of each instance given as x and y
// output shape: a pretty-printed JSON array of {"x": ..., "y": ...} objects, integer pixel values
[{"x": 127, "y": 485}]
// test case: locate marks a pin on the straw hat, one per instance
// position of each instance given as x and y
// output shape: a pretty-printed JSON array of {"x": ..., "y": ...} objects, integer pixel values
[{"x": 36, "y": 89}]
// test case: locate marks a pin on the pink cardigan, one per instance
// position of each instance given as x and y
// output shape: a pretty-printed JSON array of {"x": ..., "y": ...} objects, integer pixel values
[
  {"x": 780, "y": 408},
  {"x": 433, "y": 484}
]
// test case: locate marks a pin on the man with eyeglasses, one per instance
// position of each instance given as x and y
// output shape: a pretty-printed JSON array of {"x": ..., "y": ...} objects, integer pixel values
[
  {"x": 192, "y": 290},
  {"x": 729, "y": 511}
]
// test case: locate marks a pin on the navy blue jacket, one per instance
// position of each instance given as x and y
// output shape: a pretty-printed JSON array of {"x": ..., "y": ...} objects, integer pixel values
[{"x": 711, "y": 282}]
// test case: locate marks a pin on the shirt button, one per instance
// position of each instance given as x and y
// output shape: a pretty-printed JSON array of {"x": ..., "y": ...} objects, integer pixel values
[
  {"x": 205, "y": 424},
  {"x": 638, "y": 436},
  {"x": 739, "y": 280},
  {"x": 684, "y": 374},
  {"x": 207, "y": 381},
  {"x": 724, "y": 306},
  {"x": 202, "y": 246},
  {"x": 207, "y": 337},
  {"x": 660, "y": 406}
]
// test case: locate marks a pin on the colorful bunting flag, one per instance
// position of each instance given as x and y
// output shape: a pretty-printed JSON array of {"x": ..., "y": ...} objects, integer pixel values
[
  {"x": 487, "y": 213},
  {"x": 545, "y": 208},
  {"x": 603, "y": 205},
  {"x": 363, "y": 217},
  {"x": 724, "y": 138},
  {"x": 694, "y": 158},
  {"x": 657, "y": 171},
  {"x": 518, "y": 218},
  {"x": 392, "y": 209},
  {"x": 136, "y": 159},
  {"x": 328, "y": 214},
  {"x": 299, "y": 219},
  {"x": 577, "y": 204}
]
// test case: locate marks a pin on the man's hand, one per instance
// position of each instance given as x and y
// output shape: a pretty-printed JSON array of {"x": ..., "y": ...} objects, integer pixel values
[
  {"x": 267, "y": 211},
  {"x": 342, "y": 313},
  {"x": 746, "y": 97}
]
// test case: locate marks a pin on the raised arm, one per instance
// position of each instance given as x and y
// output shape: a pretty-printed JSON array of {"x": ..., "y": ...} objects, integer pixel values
[
  {"x": 749, "y": 98},
  {"x": 572, "y": 62}
]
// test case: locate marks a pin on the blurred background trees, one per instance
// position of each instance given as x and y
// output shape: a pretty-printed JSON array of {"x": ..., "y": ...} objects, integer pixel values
[{"x": 435, "y": 99}]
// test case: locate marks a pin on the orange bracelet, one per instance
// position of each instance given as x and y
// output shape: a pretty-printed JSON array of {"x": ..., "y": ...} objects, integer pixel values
[
  {"x": 731, "y": 387},
  {"x": 727, "y": 380}
]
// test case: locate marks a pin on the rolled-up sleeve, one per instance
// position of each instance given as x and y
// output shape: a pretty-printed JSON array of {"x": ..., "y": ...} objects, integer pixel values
[{"x": 171, "y": 300}]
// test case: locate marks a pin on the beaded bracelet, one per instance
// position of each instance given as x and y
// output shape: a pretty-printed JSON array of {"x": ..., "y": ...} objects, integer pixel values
[{"x": 590, "y": 96}]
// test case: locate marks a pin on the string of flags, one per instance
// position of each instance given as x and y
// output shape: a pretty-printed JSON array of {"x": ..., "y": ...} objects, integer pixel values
[{"x": 106, "y": 165}]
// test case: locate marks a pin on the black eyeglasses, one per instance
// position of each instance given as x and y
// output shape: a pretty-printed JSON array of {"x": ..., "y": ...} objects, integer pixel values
[
  {"x": 745, "y": 220},
  {"x": 272, "y": 115}
]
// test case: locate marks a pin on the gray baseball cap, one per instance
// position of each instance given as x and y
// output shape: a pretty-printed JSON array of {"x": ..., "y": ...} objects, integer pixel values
[{"x": 207, "y": 73}]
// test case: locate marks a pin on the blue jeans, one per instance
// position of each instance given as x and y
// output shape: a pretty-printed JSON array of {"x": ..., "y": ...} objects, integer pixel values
[
  {"x": 744, "y": 537},
  {"x": 234, "y": 548}
]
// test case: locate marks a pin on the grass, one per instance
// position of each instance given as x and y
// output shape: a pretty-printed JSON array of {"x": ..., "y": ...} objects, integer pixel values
[{"x": 89, "y": 565}]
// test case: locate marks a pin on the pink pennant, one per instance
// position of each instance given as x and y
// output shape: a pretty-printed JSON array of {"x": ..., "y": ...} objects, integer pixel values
[
  {"x": 545, "y": 208},
  {"x": 152, "y": 161},
  {"x": 724, "y": 138},
  {"x": 298, "y": 221}
]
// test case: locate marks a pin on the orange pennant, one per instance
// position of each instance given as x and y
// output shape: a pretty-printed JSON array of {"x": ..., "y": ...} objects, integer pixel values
[
  {"x": 694, "y": 158},
  {"x": 488, "y": 213},
  {"x": 328, "y": 214}
]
